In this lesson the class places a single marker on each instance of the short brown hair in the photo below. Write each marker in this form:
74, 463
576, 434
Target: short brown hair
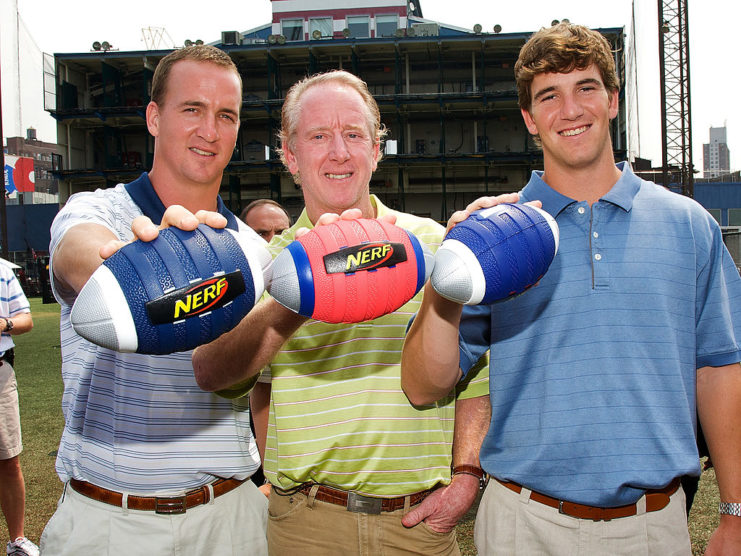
562, 49
197, 53
292, 107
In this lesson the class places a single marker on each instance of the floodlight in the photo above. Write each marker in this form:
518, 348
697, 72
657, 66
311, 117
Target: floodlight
497, 28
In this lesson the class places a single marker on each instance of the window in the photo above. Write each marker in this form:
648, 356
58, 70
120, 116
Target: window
734, 217
715, 214
293, 29
359, 26
321, 24
386, 25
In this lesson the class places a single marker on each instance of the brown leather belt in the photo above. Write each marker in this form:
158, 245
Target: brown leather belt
655, 500
355, 502
157, 504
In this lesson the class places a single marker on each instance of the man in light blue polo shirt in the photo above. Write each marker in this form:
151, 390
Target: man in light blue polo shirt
597, 372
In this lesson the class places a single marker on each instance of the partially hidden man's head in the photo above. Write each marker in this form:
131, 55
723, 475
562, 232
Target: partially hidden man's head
563, 48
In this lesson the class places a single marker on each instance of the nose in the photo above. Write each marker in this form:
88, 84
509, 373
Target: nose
208, 129
571, 107
338, 148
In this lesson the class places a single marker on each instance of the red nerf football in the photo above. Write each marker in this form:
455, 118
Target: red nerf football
350, 271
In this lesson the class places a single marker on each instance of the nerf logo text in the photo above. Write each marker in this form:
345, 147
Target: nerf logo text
197, 298
366, 256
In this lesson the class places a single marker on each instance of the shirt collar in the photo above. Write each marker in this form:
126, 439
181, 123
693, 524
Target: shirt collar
143, 194
304, 222
621, 194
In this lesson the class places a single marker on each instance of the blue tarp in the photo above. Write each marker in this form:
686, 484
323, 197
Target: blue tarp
28, 226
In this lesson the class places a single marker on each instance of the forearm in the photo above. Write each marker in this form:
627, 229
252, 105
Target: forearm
250, 346
472, 418
430, 364
260, 405
718, 403
77, 255
22, 323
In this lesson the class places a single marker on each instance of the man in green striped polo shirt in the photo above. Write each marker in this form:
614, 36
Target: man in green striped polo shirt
355, 468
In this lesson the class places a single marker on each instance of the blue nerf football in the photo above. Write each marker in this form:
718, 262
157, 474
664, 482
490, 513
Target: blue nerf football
172, 294
494, 254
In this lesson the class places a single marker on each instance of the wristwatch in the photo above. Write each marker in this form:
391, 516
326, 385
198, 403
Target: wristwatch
472, 470
8, 325
730, 508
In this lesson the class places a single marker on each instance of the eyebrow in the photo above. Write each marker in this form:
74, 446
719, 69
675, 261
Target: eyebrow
199, 104
588, 80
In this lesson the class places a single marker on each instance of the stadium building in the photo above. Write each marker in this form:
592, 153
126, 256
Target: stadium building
447, 96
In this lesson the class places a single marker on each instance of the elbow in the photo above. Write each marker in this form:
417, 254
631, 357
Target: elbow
204, 378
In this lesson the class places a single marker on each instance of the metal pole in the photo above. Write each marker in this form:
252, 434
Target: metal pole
3, 212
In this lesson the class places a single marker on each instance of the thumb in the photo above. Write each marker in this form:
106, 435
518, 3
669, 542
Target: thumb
414, 517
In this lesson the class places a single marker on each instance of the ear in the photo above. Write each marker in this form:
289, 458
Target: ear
529, 121
376, 155
613, 108
291, 162
153, 119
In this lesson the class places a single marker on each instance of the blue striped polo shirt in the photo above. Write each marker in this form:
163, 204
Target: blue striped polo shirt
593, 371
140, 423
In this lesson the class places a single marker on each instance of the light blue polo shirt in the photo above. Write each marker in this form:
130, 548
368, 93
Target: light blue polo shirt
593, 371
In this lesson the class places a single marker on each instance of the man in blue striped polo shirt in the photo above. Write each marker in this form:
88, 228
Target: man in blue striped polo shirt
151, 463
597, 372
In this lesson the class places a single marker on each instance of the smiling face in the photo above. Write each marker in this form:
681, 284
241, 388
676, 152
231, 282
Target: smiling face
333, 150
195, 127
571, 113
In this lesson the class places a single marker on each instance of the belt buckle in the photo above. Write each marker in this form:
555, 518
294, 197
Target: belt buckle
170, 506
363, 504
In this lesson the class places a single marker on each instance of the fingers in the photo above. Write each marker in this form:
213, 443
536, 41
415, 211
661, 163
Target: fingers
211, 219
110, 248
486, 202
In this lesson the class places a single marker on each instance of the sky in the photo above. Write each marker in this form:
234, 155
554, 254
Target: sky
73, 25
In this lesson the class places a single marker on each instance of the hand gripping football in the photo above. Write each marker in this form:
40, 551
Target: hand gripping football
494, 254
350, 271
172, 294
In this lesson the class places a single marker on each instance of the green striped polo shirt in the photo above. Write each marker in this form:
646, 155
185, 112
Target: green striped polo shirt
338, 415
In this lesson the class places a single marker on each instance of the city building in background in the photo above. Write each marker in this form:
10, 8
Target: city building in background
446, 94
716, 157
44, 158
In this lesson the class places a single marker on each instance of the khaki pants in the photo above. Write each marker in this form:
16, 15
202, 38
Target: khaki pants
298, 526
509, 524
231, 525
10, 419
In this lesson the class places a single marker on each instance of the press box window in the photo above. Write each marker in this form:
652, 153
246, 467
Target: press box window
293, 29
386, 25
321, 24
359, 26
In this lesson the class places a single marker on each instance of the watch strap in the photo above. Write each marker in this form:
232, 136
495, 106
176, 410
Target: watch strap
472, 470
730, 508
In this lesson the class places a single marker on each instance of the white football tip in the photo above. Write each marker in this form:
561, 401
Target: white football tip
101, 314
457, 274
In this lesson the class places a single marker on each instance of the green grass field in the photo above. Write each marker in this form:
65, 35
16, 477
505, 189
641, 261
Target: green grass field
40, 385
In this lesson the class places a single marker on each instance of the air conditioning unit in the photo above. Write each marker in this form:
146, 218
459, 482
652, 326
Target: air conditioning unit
426, 29
231, 37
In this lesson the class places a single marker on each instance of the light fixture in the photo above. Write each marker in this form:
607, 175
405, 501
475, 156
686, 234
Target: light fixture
106, 46
497, 28
477, 28
199, 42
96, 45
188, 42
316, 34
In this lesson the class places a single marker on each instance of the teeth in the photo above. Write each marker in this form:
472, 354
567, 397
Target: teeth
338, 176
572, 132
199, 151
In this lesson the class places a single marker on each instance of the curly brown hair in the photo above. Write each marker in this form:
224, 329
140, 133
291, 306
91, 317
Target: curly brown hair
562, 49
